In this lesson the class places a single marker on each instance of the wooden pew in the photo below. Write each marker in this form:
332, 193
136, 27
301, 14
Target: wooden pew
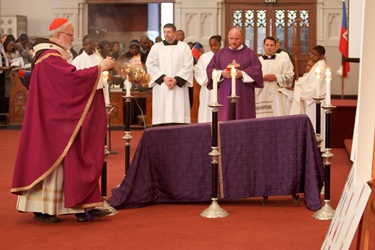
17, 100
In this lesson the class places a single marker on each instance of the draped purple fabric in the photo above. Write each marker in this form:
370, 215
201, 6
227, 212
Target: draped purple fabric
270, 156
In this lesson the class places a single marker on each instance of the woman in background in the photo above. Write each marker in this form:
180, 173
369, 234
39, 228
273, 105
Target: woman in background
204, 112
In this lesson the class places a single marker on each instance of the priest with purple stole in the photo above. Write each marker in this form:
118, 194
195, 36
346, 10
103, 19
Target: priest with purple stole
61, 149
248, 76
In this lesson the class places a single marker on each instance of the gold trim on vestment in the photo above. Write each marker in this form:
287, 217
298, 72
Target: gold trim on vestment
90, 205
46, 56
72, 138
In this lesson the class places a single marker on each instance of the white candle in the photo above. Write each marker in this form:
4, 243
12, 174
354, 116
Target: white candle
233, 73
317, 74
214, 87
328, 86
105, 88
128, 85
105, 76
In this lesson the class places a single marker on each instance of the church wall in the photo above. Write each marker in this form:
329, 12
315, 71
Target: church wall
199, 19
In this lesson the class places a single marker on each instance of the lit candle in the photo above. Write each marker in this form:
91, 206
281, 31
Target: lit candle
317, 74
328, 86
128, 85
105, 76
233, 73
214, 87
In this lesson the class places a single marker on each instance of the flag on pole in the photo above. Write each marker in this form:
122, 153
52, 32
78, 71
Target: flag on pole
196, 50
344, 45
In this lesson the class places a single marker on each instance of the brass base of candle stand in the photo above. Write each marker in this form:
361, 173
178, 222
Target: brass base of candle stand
325, 213
214, 210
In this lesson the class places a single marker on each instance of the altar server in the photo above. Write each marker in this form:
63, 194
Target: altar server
170, 64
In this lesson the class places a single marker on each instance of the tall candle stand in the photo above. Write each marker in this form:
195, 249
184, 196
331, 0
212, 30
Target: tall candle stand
106, 153
104, 171
318, 136
106, 205
127, 137
327, 212
214, 210
109, 111
233, 104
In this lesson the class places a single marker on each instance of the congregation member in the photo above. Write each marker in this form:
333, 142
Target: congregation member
200, 74
61, 149
170, 64
11, 54
306, 87
144, 42
134, 55
22, 45
104, 48
248, 75
277, 73
136, 59
115, 50
4, 67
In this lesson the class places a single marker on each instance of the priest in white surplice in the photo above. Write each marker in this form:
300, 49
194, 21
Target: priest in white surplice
170, 64
277, 72
88, 58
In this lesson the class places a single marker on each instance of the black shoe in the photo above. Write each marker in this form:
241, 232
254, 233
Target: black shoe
46, 218
93, 213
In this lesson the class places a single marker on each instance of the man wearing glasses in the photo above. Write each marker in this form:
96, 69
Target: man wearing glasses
60, 154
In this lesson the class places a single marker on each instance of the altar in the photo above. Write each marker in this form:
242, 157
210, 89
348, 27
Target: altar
259, 157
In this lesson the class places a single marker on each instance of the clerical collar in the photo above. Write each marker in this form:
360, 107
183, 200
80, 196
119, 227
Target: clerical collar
167, 43
265, 57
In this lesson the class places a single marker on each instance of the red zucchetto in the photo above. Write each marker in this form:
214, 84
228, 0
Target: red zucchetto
57, 23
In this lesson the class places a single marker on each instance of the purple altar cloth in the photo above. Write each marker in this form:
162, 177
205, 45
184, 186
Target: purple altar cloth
260, 157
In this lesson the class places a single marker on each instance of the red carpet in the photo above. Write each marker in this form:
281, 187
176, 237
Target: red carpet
279, 225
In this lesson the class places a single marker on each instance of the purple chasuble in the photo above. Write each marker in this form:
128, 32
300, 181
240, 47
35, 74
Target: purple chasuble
65, 122
249, 63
